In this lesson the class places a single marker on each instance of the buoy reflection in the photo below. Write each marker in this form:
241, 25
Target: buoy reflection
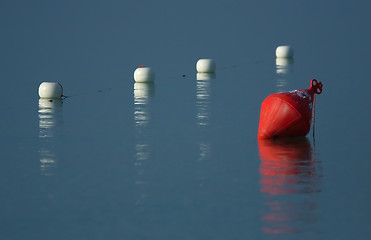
203, 98
143, 92
143, 96
290, 178
284, 67
203, 112
50, 117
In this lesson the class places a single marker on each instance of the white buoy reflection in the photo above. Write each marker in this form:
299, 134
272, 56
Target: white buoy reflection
143, 92
203, 112
50, 117
203, 97
204, 150
143, 96
284, 67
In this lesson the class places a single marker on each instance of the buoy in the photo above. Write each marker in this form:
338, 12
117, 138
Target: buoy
205, 66
50, 90
288, 114
144, 74
284, 52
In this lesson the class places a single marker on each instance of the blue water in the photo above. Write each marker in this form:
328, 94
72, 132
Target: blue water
179, 159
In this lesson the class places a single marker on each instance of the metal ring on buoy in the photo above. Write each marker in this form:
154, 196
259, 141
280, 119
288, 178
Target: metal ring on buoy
316, 87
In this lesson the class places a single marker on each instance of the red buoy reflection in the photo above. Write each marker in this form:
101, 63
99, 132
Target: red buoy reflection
289, 182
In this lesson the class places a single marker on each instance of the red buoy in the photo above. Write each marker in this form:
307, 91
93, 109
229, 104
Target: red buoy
288, 114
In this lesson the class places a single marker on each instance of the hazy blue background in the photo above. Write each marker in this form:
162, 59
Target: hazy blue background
180, 160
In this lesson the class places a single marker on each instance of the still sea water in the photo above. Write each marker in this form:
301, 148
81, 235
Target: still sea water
180, 159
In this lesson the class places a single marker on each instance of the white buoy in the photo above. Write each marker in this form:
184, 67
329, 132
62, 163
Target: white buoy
205, 66
284, 52
144, 74
50, 90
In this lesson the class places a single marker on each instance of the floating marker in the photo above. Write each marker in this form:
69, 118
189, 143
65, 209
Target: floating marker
50, 90
205, 66
144, 74
288, 114
284, 52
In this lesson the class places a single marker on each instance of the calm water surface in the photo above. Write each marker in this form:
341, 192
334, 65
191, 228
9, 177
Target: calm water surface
179, 159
